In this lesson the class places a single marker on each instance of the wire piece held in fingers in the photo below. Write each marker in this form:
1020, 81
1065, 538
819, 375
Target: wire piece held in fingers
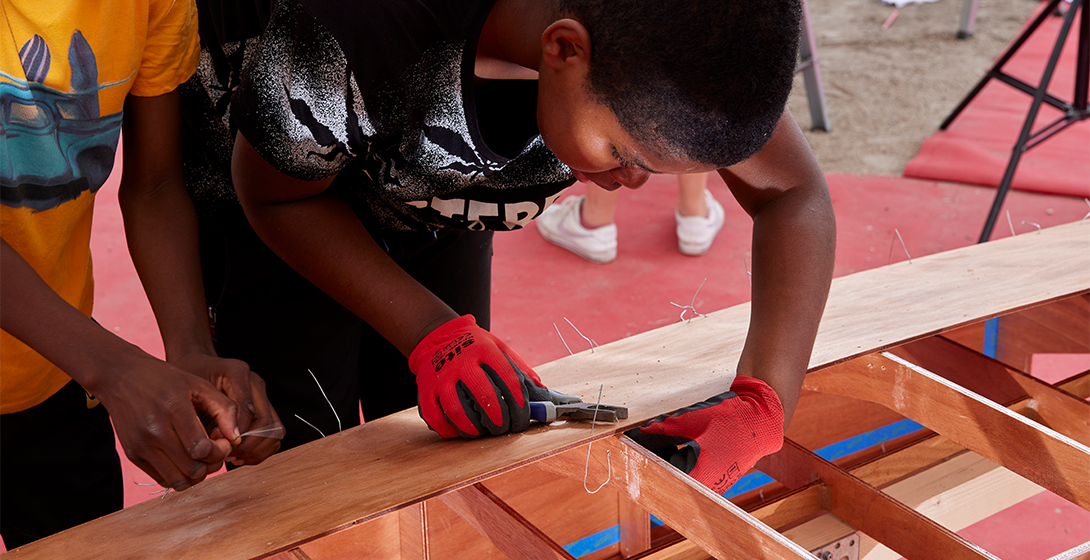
274, 431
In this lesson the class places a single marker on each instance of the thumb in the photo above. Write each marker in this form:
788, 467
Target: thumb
222, 409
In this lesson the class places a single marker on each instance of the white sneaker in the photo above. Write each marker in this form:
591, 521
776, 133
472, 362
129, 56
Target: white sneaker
561, 225
695, 234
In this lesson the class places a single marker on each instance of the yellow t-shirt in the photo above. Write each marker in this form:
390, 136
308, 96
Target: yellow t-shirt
66, 67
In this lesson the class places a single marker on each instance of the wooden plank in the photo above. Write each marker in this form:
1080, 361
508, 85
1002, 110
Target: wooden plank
814, 427
537, 495
293, 554
875, 513
1057, 328
375, 469
1034, 451
948, 290
958, 493
953, 494
1002, 384
1079, 385
819, 532
502, 525
377, 539
634, 527
720, 528
413, 532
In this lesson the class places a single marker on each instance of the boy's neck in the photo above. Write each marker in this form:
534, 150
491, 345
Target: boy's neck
510, 43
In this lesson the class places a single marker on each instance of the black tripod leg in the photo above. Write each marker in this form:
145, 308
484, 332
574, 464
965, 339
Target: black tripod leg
1027, 128
998, 66
1082, 65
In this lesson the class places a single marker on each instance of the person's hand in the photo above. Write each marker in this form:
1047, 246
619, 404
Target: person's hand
473, 384
255, 413
154, 407
716, 441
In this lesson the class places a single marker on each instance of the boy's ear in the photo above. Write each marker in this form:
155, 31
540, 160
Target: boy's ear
565, 42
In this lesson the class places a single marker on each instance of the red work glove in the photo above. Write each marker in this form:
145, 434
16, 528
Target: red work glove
471, 383
716, 441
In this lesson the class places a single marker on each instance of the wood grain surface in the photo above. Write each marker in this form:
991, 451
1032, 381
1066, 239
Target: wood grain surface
383, 466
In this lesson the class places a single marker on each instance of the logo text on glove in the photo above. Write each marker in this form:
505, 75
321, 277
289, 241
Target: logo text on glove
727, 480
450, 351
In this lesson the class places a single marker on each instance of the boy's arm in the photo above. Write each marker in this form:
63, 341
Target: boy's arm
794, 244
794, 241
152, 404
317, 234
161, 227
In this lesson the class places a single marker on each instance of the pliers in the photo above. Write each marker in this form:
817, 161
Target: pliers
545, 411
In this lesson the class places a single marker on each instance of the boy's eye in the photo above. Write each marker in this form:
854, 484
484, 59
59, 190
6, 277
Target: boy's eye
618, 157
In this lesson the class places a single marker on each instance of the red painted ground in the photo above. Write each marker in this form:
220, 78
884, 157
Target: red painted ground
976, 147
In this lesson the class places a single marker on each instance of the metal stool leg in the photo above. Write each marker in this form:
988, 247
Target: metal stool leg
811, 74
968, 19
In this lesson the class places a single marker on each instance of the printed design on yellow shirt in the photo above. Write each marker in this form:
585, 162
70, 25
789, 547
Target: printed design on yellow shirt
56, 144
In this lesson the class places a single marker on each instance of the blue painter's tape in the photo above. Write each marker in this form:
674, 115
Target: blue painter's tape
991, 337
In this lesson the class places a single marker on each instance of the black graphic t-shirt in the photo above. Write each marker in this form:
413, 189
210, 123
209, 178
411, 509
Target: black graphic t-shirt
382, 94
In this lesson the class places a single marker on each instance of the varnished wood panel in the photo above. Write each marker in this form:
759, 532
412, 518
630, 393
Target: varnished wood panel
1001, 384
361, 474
502, 525
1042, 455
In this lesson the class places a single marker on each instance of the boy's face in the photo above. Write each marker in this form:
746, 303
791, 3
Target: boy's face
586, 136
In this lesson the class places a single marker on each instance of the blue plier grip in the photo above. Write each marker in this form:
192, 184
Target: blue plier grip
542, 411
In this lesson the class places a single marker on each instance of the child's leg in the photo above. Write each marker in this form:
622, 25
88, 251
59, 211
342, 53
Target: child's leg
583, 224
699, 216
599, 207
690, 195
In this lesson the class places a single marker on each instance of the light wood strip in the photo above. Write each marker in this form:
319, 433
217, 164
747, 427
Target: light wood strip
413, 532
504, 527
873, 512
1034, 451
1001, 384
958, 493
635, 527
714, 524
348, 478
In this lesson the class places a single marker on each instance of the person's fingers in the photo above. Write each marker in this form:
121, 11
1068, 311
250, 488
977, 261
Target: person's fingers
516, 418
169, 468
236, 383
454, 412
222, 409
256, 448
432, 413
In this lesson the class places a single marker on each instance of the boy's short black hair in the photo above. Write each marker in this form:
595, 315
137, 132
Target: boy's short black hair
706, 80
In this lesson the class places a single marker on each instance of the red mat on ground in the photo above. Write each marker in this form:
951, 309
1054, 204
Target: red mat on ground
976, 147
536, 284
